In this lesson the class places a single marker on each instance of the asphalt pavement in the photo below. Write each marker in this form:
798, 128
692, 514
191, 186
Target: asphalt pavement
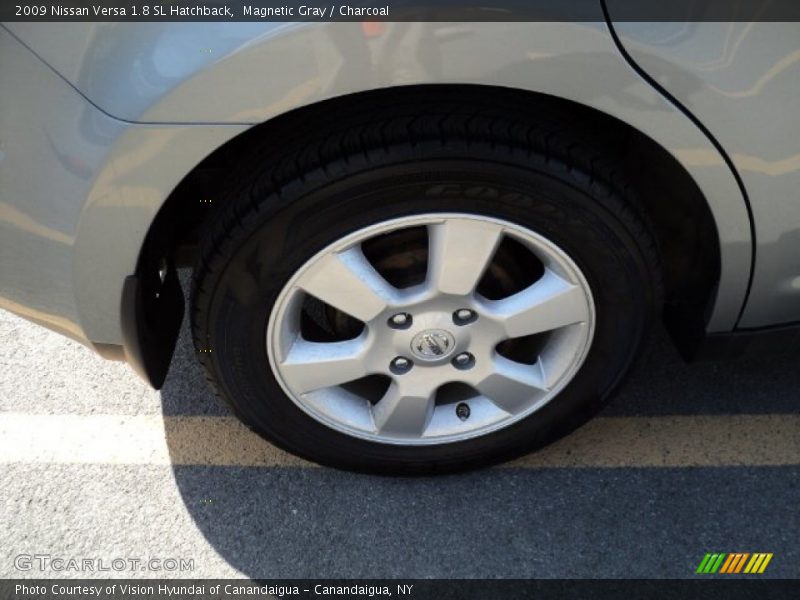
94, 465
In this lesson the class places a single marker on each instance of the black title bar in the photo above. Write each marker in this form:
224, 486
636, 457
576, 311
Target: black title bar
733, 588
401, 10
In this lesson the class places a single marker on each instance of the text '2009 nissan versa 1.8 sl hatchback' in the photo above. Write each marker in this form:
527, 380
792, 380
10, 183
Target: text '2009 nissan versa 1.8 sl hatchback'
416, 247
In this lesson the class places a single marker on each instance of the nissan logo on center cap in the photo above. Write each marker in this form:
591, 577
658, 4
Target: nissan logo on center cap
432, 344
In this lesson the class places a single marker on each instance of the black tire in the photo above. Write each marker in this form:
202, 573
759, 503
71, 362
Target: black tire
283, 206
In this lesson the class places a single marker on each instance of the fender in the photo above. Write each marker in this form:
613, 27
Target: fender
735, 78
174, 92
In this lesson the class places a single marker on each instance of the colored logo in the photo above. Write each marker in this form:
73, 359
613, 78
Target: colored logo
734, 562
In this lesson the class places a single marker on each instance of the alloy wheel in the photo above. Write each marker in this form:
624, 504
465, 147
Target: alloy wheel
427, 361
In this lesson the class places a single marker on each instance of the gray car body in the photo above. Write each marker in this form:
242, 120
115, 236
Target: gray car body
100, 122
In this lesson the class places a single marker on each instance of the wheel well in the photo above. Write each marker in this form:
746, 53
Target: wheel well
680, 216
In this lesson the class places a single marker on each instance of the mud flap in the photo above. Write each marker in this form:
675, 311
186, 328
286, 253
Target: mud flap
151, 321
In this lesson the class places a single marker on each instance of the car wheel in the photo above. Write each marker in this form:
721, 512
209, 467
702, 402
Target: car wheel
423, 299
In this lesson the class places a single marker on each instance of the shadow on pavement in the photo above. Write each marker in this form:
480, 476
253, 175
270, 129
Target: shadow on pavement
290, 521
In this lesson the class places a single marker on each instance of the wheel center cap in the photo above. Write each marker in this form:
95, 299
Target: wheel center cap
432, 344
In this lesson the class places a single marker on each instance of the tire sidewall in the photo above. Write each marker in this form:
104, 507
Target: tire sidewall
543, 196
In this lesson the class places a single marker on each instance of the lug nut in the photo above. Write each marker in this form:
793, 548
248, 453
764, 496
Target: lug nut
400, 365
463, 316
400, 321
465, 360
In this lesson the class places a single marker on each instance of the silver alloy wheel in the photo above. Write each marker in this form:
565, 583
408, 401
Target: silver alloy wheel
436, 349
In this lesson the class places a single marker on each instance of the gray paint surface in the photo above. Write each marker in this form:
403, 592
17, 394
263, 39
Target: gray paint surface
136, 106
78, 192
742, 81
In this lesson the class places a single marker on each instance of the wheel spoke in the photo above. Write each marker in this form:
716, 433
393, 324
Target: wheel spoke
314, 365
512, 386
550, 303
459, 252
347, 281
403, 412
462, 248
